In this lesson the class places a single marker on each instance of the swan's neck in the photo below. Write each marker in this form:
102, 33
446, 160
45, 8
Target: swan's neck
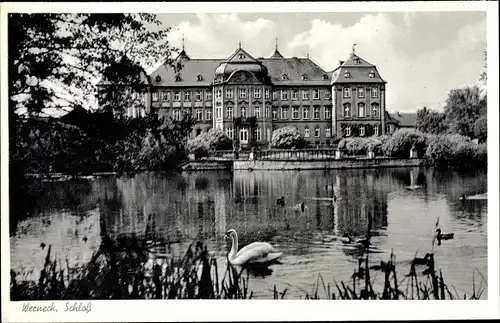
234, 248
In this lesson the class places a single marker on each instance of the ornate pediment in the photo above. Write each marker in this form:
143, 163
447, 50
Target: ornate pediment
243, 77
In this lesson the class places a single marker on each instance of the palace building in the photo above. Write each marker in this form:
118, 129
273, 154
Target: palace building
278, 91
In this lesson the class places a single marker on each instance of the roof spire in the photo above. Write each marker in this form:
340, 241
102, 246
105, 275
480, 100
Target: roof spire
182, 42
276, 43
354, 48
239, 44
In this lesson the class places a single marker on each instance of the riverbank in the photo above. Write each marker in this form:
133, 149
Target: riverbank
351, 163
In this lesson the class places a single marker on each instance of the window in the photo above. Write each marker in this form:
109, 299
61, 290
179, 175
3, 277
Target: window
241, 56
258, 134
177, 96
316, 94
198, 131
229, 112
361, 110
306, 132
208, 96
155, 96
347, 92
327, 94
316, 113
268, 135
347, 75
284, 113
218, 94
348, 131
267, 94
304, 76
374, 92
375, 130
199, 114
197, 96
243, 93
284, 77
244, 135
229, 132
256, 111
305, 94
243, 112
295, 95
387, 129
305, 113
374, 109
158, 78
317, 132
356, 61
347, 110
208, 115
372, 74
328, 132
275, 114
218, 111
275, 95
327, 113
177, 114
165, 96
325, 77
229, 93
178, 78
295, 113
284, 95
200, 78
267, 112
362, 131
361, 92
256, 93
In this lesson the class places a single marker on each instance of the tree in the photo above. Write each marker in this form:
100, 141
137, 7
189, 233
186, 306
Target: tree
430, 121
287, 137
463, 108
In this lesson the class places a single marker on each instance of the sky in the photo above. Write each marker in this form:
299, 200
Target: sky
422, 55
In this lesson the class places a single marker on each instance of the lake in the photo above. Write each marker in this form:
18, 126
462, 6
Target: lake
404, 204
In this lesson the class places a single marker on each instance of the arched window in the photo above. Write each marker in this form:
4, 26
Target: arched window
348, 131
200, 78
362, 131
158, 78
347, 110
284, 77
306, 133
375, 110
325, 77
361, 110
304, 76
243, 112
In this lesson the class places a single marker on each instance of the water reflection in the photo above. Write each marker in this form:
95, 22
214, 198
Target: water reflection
402, 205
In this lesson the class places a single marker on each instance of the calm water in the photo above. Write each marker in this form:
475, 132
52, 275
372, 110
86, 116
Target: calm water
206, 204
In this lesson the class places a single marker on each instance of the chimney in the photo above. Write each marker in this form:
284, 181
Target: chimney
341, 62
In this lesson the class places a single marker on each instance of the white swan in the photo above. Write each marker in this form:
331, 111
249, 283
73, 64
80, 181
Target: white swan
256, 253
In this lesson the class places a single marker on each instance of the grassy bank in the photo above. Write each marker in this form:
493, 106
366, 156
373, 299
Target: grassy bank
121, 270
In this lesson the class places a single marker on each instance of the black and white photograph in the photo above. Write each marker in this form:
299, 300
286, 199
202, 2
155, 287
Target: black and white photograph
198, 152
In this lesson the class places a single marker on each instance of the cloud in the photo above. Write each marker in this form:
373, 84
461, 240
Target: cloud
215, 36
415, 78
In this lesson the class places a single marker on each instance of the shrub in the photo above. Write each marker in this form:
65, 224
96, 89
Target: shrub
287, 137
214, 139
401, 142
439, 150
456, 150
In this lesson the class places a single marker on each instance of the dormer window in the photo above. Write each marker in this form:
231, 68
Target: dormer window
178, 78
241, 56
200, 78
372, 74
158, 78
284, 77
325, 77
357, 61
347, 75
304, 76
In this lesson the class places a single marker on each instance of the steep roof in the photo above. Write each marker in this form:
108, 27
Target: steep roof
276, 54
295, 68
404, 119
358, 71
188, 74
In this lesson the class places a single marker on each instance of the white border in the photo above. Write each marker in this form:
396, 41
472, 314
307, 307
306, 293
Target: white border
152, 310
